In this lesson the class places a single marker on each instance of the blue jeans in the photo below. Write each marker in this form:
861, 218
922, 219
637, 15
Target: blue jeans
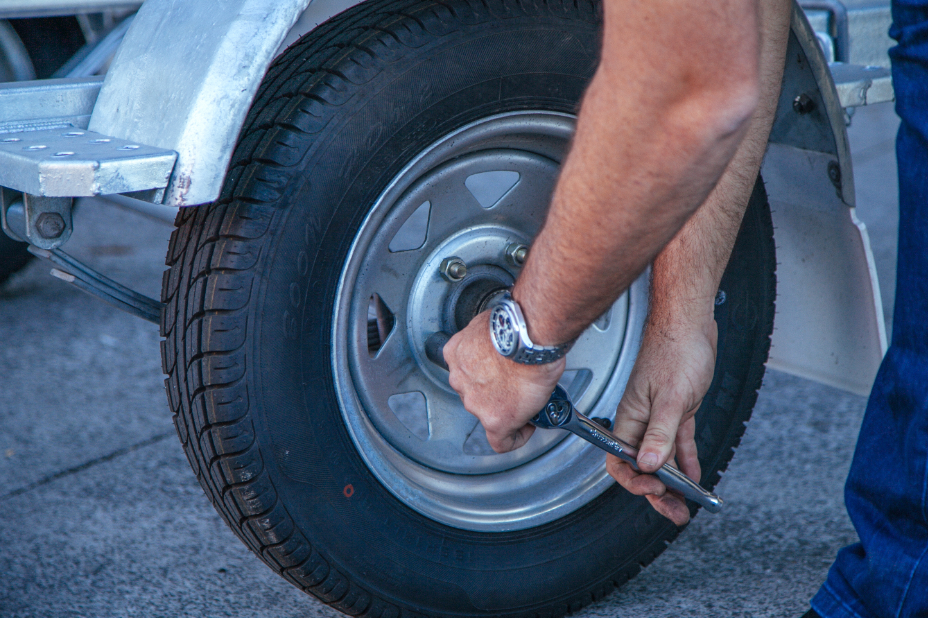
886, 573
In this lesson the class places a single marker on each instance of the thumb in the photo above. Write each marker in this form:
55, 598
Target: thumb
660, 437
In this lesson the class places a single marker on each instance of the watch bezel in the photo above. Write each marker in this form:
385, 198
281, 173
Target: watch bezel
515, 324
522, 349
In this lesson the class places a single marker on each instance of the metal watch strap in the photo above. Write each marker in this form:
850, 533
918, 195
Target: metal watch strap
541, 355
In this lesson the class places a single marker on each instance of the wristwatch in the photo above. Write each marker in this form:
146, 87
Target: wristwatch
510, 336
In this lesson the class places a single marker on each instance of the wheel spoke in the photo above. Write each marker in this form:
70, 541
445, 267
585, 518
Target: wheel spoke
393, 370
453, 207
588, 349
575, 382
389, 276
449, 422
530, 197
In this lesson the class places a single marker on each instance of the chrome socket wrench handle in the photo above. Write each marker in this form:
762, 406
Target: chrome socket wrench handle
560, 413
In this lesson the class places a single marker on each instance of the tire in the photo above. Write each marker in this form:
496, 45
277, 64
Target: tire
270, 323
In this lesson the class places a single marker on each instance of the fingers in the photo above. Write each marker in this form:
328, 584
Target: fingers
510, 441
629, 425
658, 442
670, 504
502, 394
686, 455
671, 375
635, 482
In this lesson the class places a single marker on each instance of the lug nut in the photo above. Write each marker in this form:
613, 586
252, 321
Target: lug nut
453, 269
516, 253
50, 225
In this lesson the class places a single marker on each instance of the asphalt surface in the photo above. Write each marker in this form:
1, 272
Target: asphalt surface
100, 515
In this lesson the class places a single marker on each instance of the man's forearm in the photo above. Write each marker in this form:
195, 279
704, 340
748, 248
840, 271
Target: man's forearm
676, 361
664, 114
686, 274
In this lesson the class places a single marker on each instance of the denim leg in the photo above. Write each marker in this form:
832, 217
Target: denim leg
886, 573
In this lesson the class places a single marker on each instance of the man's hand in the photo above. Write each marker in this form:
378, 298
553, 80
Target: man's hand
672, 373
503, 394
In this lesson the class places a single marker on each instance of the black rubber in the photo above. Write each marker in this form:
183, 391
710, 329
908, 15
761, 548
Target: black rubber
251, 286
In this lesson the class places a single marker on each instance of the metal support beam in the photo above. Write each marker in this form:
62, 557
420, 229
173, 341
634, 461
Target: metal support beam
47, 104
10, 9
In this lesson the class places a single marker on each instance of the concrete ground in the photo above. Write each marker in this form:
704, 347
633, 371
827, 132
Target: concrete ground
100, 515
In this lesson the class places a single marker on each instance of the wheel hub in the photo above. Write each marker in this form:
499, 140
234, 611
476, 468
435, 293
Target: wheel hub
482, 285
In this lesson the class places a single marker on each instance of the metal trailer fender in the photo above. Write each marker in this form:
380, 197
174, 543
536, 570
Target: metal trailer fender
829, 323
191, 96
183, 80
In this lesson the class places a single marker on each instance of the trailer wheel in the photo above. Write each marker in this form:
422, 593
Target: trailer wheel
297, 305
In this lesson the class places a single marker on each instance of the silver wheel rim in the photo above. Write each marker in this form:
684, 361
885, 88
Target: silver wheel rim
472, 194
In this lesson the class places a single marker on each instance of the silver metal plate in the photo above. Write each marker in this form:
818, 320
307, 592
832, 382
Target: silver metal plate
829, 322
80, 163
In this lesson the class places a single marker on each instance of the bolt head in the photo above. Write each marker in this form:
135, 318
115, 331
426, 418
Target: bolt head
516, 253
803, 104
453, 269
50, 225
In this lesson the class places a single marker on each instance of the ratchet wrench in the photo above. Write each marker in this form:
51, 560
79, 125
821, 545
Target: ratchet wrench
560, 413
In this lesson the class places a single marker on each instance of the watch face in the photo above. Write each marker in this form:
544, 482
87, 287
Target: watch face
503, 331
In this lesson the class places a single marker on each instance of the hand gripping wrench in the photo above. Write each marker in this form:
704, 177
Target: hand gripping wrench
559, 413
